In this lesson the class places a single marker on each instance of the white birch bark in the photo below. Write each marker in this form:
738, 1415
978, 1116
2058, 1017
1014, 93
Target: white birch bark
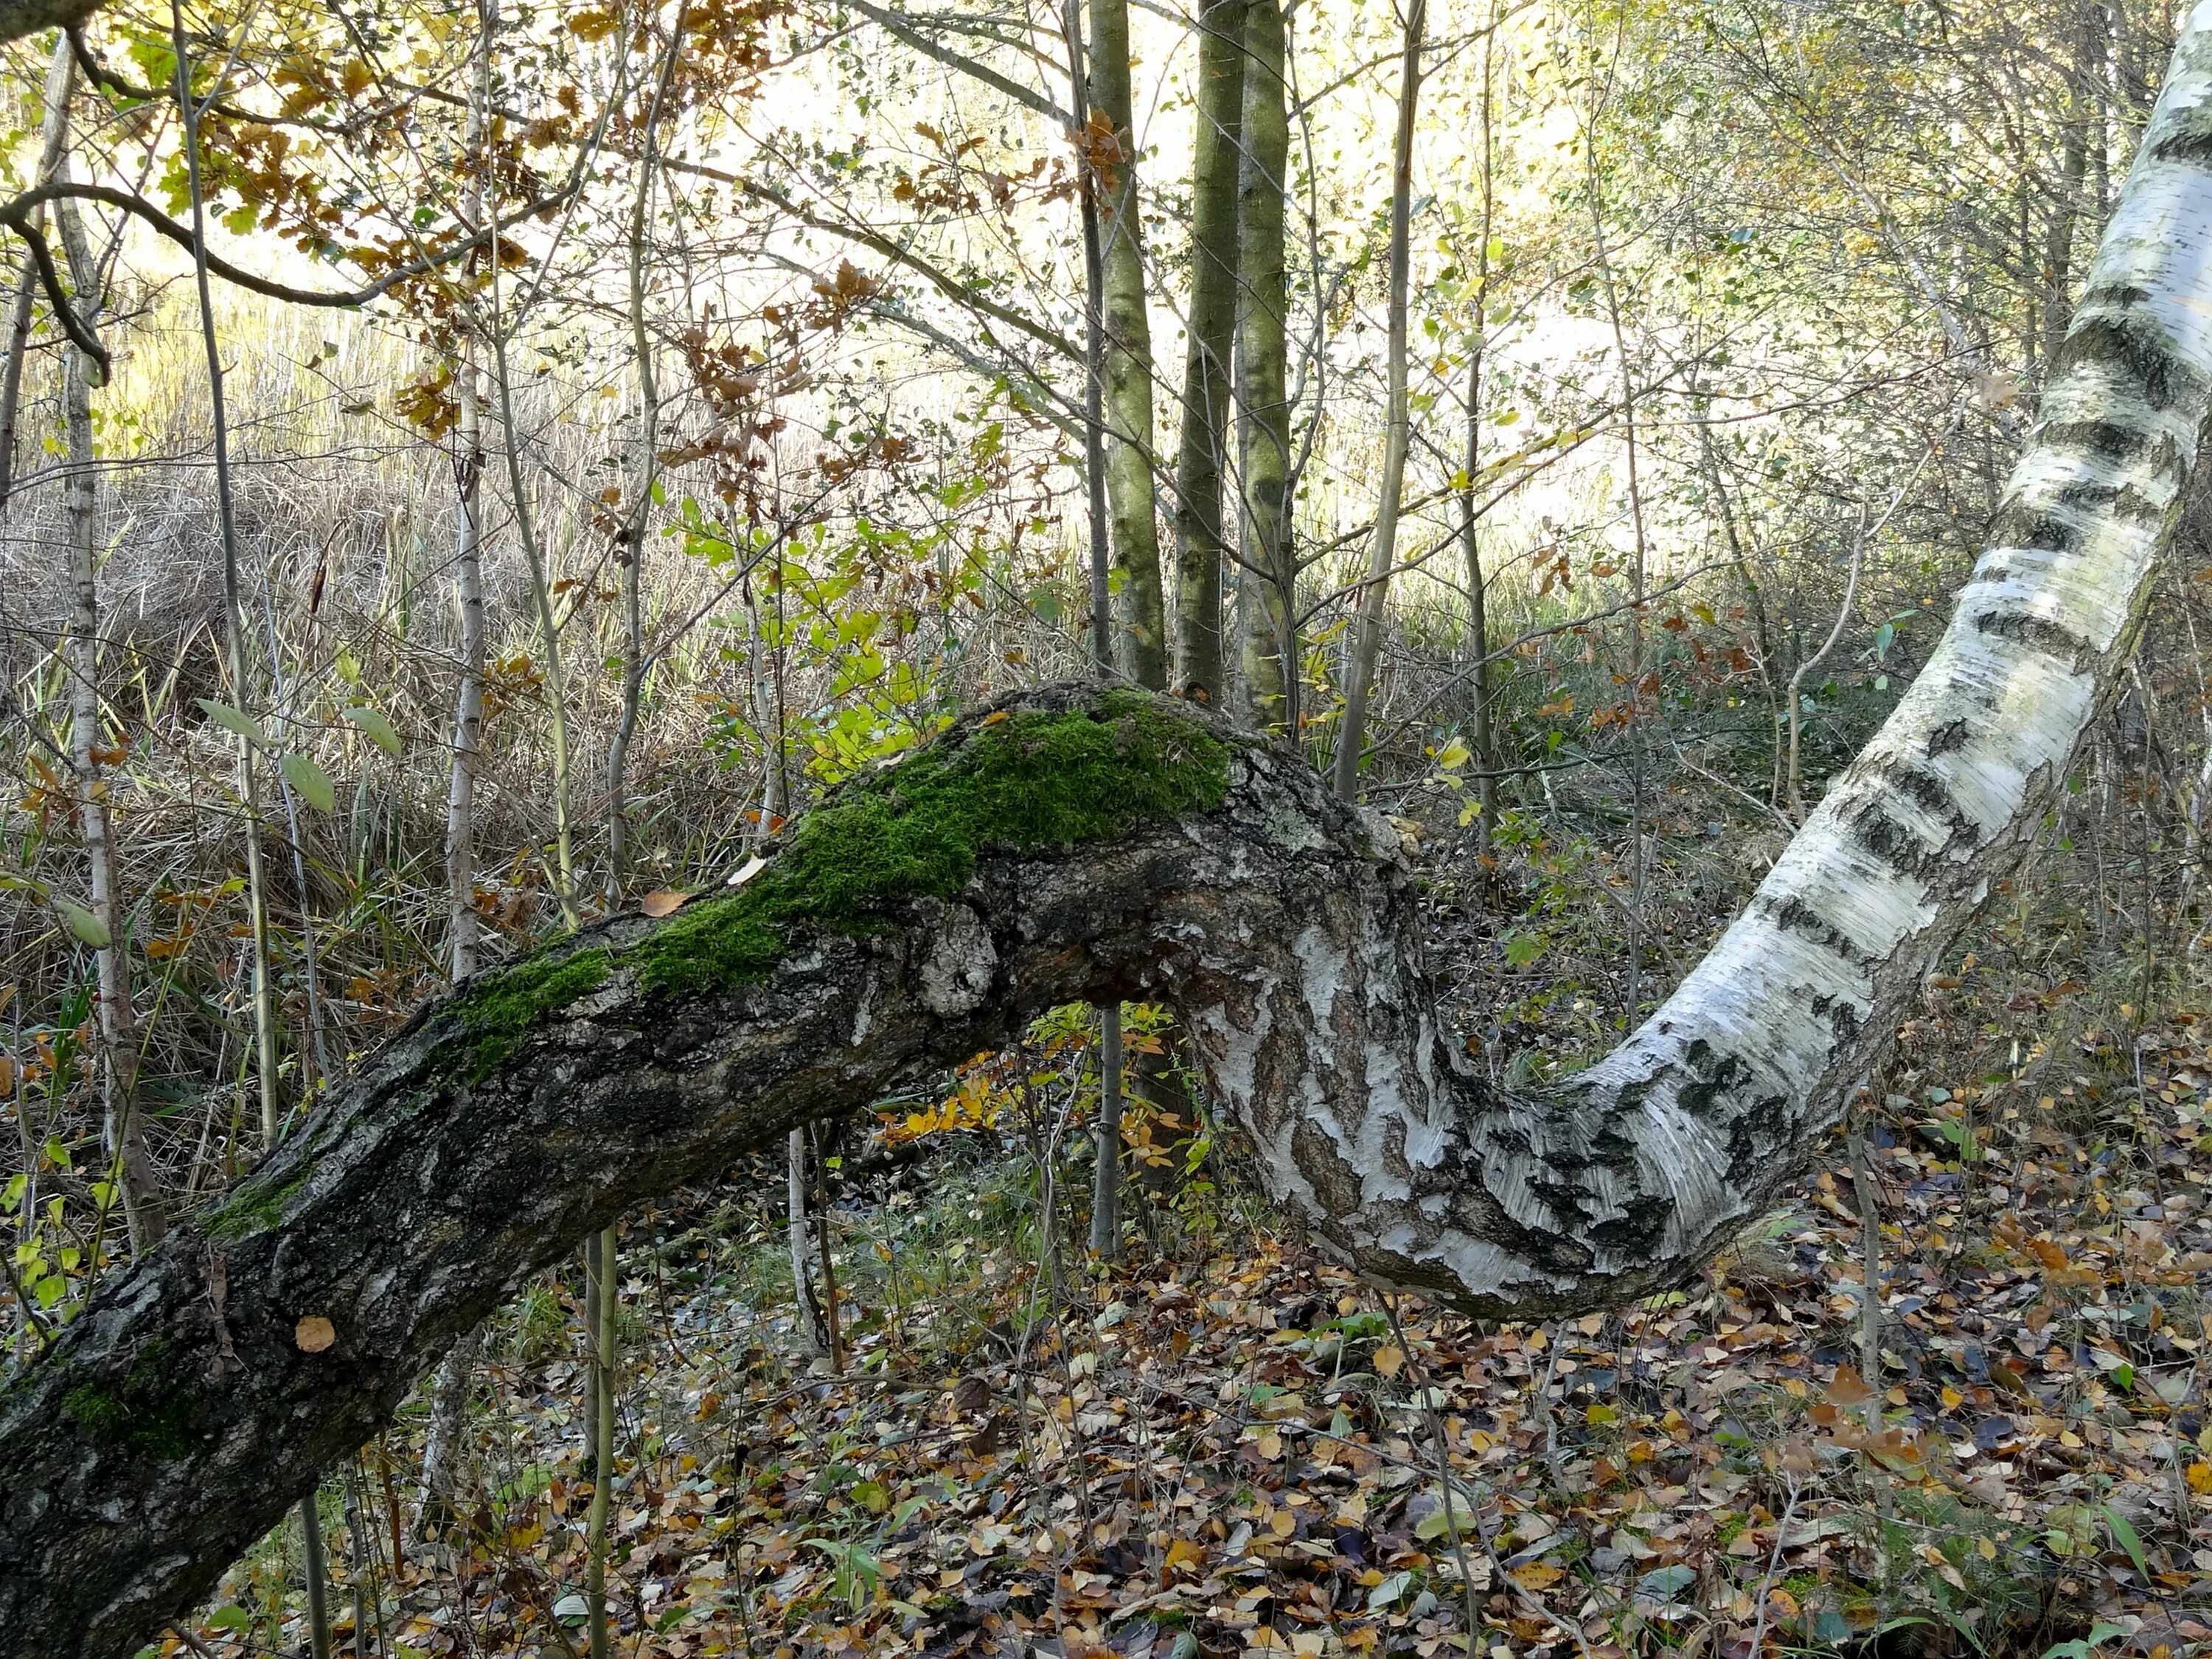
1624, 1177
81, 652
461, 921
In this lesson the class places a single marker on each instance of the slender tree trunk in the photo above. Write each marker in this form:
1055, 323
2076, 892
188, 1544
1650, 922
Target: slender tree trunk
1484, 745
602, 1451
437, 1501
461, 920
541, 586
317, 1567
1106, 1186
257, 886
648, 473
11, 372
797, 1245
1140, 644
1267, 574
1211, 327
1367, 629
1106, 1178
144, 1212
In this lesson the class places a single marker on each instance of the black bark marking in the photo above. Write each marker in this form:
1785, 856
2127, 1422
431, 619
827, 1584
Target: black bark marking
1716, 1077
1928, 790
1889, 842
1793, 916
2192, 149
2115, 441
1756, 1136
1951, 735
1639, 1230
2131, 344
2024, 524
2038, 633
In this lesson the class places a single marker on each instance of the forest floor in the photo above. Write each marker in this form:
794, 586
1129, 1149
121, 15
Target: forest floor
1233, 1448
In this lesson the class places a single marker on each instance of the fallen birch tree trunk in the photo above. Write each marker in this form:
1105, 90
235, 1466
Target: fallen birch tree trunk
1081, 845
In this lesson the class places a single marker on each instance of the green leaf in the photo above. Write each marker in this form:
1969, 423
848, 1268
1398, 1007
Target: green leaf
1450, 1508
1387, 1592
373, 727
87, 927
1524, 948
313, 784
233, 1617
231, 720
2124, 1534
2100, 1633
1665, 1583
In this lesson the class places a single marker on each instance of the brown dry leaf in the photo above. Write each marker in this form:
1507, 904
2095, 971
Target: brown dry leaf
314, 1334
663, 902
1390, 1359
1849, 1387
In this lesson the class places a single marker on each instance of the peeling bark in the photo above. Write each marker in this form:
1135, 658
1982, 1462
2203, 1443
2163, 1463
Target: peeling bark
167, 1428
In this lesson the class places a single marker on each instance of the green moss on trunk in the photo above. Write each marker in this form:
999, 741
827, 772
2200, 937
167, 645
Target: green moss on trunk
152, 1410
1028, 780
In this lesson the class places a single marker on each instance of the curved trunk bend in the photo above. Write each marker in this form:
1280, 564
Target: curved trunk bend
1079, 845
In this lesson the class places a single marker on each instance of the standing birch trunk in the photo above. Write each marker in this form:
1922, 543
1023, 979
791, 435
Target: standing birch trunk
1367, 630
1211, 327
461, 920
143, 1209
1268, 571
1141, 619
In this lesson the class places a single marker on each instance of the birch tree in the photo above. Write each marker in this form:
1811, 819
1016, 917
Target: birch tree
1080, 844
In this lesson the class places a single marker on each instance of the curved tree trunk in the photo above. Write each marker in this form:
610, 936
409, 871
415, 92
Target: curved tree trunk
1081, 845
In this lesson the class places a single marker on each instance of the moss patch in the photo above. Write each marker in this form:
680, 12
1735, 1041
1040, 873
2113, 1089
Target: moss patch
1032, 780
516, 997
1028, 780
254, 1208
152, 1412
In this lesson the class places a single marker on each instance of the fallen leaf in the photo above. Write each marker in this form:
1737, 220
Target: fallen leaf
1849, 1387
663, 902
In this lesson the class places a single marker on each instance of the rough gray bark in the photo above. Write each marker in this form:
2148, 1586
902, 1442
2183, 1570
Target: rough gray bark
1365, 644
1268, 575
20, 17
1211, 328
1140, 617
168, 1426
